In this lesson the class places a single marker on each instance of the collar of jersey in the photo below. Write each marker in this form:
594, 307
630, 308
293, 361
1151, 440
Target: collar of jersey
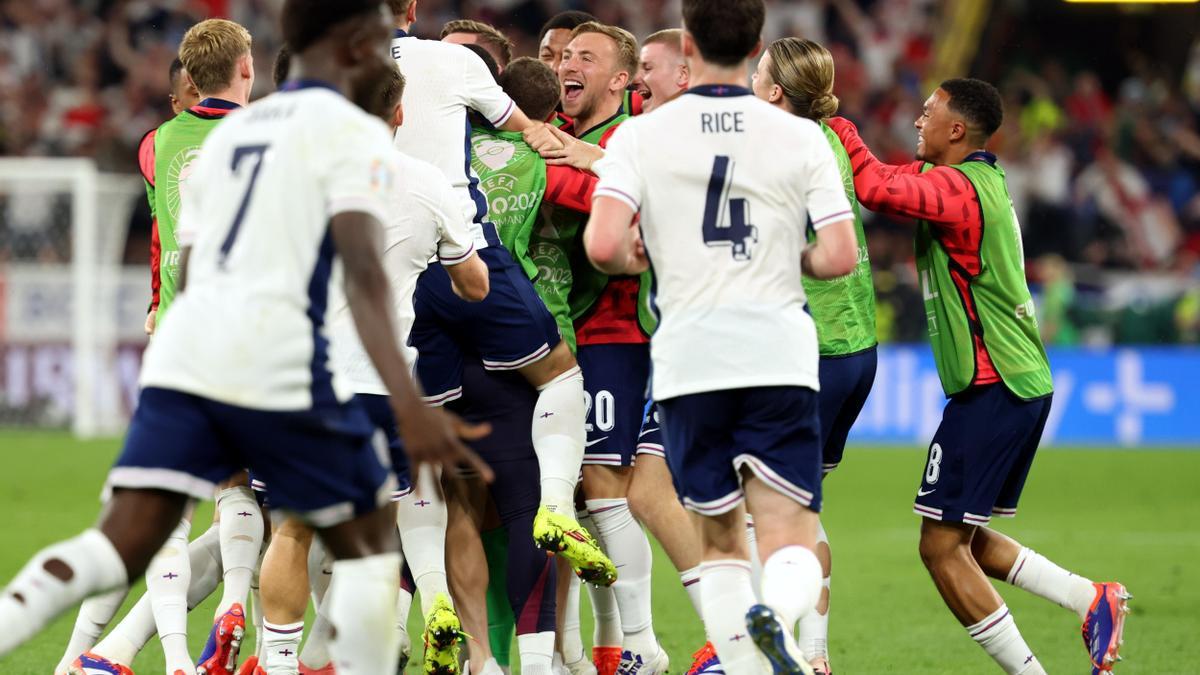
720, 90
305, 83
981, 156
400, 33
620, 111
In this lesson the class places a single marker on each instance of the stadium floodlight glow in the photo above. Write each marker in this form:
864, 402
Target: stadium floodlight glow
1133, 2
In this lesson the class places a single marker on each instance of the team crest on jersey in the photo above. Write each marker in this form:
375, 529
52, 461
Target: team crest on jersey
177, 174
553, 266
502, 182
495, 153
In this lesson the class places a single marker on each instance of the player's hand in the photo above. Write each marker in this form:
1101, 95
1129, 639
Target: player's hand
541, 137
638, 260
435, 436
574, 152
151, 318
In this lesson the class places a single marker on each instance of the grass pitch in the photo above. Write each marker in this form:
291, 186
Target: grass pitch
1129, 515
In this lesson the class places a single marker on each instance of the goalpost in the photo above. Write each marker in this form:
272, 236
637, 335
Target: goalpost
65, 298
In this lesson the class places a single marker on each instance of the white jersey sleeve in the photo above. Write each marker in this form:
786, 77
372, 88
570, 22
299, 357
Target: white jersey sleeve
358, 172
620, 170
455, 241
825, 194
484, 94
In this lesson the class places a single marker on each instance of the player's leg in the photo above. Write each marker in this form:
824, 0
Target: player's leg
284, 589
607, 635
167, 580
698, 431
979, 444
130, 635
241, 527
94, 616
469, 573
501, 622
151, 486
781, 477
347, 502
846, 382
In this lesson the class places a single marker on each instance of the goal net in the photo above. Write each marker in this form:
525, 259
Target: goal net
71, 310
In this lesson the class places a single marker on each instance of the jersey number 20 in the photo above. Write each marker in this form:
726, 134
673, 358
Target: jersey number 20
736, 233
240, 153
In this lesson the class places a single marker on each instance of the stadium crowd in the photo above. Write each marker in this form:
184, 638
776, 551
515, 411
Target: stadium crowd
1105, 179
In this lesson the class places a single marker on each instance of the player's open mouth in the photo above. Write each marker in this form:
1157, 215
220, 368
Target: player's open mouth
572, 89
644, 92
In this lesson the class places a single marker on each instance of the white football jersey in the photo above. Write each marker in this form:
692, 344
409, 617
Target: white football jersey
725, 185
250, 327
424, 221
443, 82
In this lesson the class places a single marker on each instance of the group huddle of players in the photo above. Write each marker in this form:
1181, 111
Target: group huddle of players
510, 307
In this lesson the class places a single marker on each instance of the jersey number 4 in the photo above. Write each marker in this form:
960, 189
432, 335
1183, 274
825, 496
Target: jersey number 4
735, 232
240, 153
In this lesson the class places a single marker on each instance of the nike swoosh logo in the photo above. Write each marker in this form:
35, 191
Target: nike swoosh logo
922, 493
598, 440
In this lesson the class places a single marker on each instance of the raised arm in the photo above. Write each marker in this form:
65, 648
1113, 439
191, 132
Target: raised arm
940, 195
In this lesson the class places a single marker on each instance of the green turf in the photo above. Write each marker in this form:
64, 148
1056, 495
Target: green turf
1130, 515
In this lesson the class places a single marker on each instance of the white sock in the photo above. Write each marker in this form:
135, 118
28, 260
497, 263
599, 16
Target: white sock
167, 581
537, 652
281, 647
241, 541
36, 596
490, 667
362, 601
606, 627
94, 616
558, 437
791, 583
130, 636
625, 543
999, 637
421, 518
814, 626
690, 579
404, 601
726, 596
320, 572
257, 615
756, 568
1034, 573
572, 637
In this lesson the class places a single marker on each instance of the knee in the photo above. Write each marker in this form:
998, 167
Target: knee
936, 551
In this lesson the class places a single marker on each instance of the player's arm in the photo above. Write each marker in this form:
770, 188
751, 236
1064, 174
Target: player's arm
835, 251
456, 245
469, 278
431, 435
940, 195
611, 238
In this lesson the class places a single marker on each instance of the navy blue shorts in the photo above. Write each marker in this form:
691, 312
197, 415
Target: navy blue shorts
615, 377
511, 328
980, 456
772, 431
845, 383
320, 463
650, 438
379, 411
504, 400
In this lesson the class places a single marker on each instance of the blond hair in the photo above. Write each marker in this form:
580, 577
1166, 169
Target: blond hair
671, 37
627, 46
803, 69
487, 33
210, 52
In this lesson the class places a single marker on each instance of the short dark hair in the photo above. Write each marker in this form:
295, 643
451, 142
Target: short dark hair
567, 20
532, 86
488, 59
176, 69
977, 101
307, 21
725, 31
387, 94
283, 64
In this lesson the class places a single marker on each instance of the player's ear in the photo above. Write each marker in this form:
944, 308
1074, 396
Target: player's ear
411, 15
757, 49
398, 116
958, 130
687, 45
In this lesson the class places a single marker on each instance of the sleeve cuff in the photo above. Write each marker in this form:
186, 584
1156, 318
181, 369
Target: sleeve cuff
620, 195
505, 115
834, 217
456, 259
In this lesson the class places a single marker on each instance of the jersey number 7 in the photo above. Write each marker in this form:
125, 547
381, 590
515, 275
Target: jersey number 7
240, 153
737, 233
